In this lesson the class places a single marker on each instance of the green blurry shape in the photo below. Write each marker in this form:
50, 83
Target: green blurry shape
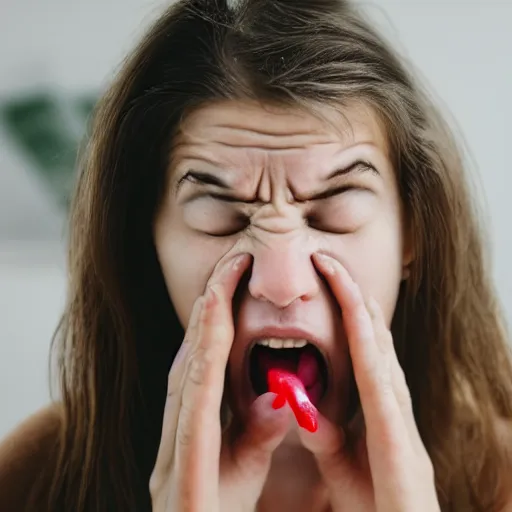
44, 130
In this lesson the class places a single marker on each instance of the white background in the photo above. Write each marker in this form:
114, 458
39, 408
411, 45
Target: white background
463, 48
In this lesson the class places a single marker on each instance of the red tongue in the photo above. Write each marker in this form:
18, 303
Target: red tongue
306, 370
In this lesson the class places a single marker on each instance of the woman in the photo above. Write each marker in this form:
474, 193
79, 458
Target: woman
269, 176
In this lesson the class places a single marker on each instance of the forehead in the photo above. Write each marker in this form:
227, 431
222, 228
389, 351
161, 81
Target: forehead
251, 124
241, 139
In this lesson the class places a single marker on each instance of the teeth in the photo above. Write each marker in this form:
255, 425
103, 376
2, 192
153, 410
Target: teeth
282, 343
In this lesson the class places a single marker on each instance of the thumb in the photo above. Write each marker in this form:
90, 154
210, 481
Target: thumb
328, 446
264, 430
348, 488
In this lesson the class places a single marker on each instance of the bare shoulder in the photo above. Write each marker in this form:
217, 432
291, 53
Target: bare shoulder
24, 455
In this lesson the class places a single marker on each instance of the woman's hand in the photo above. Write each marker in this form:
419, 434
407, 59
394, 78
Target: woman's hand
389, 469
198, 468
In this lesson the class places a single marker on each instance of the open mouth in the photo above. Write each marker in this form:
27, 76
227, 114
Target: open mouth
296, 356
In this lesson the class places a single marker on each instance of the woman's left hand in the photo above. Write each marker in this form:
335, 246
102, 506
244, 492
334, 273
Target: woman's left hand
390, 469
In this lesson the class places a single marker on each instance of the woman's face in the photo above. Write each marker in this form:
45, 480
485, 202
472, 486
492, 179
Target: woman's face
281, 185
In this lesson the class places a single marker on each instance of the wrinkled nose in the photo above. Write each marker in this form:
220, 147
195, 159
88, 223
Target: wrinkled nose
282, 271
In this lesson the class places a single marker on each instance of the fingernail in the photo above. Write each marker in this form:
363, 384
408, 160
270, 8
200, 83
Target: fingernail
237, 261
231, 265
326, 261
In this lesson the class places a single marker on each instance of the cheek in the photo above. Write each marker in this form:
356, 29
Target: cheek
374, 259
187, 263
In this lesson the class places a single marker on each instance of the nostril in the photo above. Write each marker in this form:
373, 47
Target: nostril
283, 274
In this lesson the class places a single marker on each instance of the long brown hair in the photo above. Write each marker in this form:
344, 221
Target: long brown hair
119, 333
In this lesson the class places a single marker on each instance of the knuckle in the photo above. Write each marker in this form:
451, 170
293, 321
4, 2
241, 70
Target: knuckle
199, 382
224, 331
377, 382
219, 326
184, 436
383, 378
384, 387
362, 320
378, 389
200, 364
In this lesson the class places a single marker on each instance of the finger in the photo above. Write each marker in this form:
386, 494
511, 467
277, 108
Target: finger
208, 360
174, 390
399, 383
326, 443
386, 429
197, 449
335, 464
195, 335
247, 452
345, 471
251, 451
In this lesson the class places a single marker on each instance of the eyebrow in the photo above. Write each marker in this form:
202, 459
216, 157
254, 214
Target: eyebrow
206, 178
357, 166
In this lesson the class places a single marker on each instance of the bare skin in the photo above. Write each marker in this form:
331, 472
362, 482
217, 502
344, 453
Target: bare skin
327, 269
251, 180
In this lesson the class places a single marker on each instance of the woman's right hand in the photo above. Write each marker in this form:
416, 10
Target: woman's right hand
198, 468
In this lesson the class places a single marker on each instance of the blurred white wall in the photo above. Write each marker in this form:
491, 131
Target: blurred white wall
32, 288
462, 47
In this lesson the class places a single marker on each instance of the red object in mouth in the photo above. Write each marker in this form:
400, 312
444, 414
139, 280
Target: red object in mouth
289, 387
304, 363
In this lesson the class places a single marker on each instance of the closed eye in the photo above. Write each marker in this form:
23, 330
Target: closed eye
340, 213
358, 167
241, 223
231, 199
333, 192
205, 179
